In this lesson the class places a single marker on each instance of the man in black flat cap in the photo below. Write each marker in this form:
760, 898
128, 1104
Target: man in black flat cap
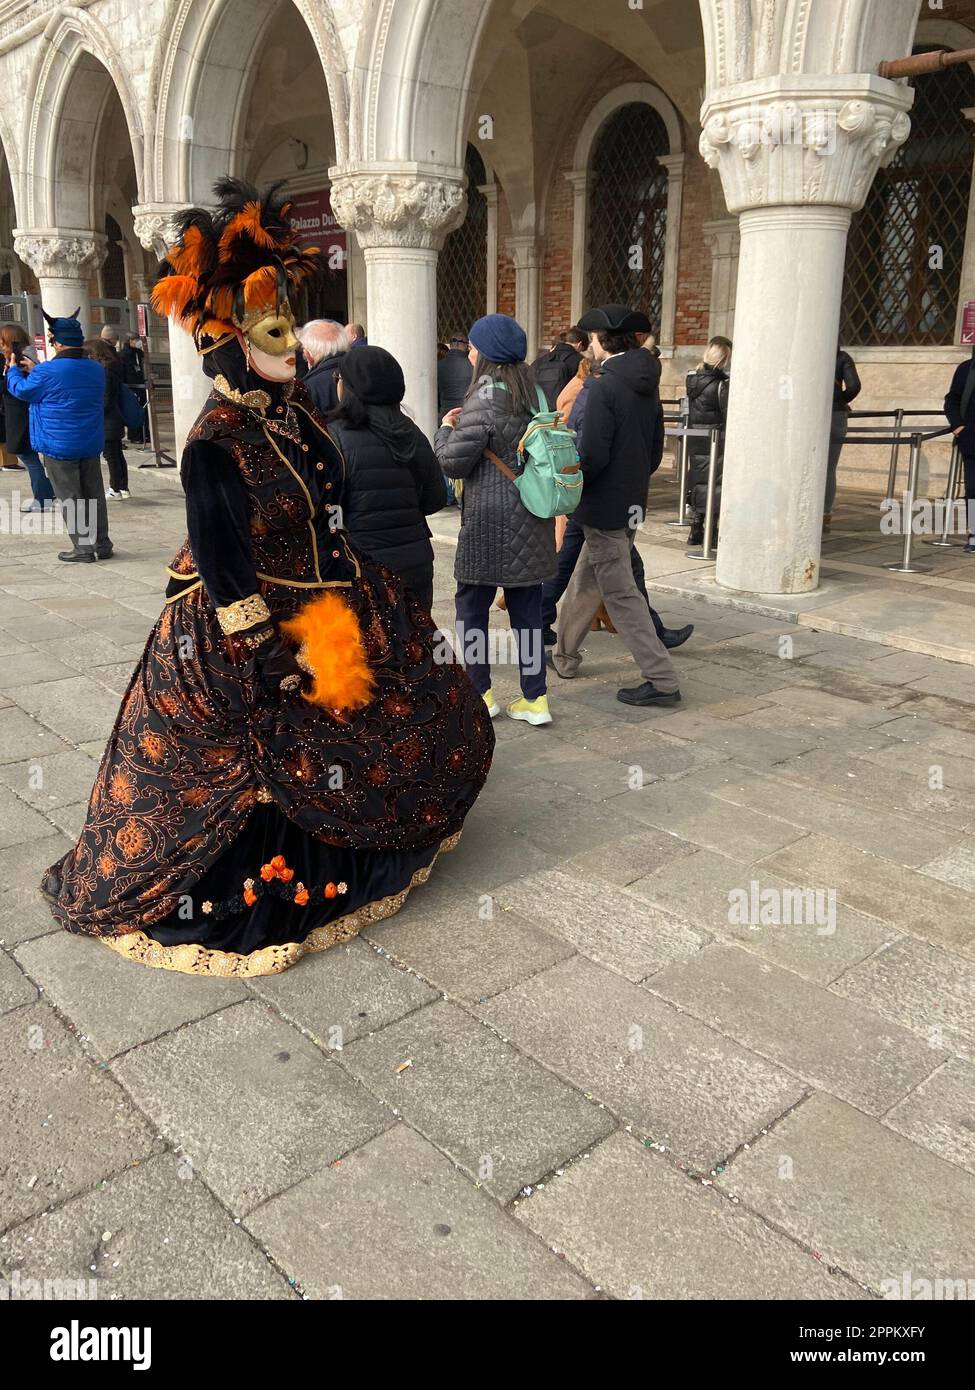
619, 448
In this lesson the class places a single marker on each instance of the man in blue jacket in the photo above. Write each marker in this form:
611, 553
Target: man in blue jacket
67, 426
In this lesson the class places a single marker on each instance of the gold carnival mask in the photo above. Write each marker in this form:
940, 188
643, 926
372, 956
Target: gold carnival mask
271, 345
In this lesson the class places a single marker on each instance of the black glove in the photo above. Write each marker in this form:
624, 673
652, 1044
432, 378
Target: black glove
276, 665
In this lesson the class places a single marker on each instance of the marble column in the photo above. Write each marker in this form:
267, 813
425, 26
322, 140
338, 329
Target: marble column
63, 260
490, 192
675, 165
401, 214
724, 239
579, 179
189, 384
526, 253
796, 154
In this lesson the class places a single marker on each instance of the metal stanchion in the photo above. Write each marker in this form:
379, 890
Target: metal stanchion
895, 452
904, 565
682, 454
709, 507
951, 494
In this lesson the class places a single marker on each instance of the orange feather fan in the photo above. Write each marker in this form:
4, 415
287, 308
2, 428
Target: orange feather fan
329, 641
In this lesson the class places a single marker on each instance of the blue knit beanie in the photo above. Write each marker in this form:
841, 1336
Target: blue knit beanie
67, 331
499, 338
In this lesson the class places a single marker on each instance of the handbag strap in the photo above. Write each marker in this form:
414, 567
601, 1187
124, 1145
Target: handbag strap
500, 466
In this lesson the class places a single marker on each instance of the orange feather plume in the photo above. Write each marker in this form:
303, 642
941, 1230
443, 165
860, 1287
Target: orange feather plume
175, 296
261, 288
327, 634
248, 223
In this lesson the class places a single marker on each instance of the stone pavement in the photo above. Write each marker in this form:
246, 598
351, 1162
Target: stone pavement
589, 1059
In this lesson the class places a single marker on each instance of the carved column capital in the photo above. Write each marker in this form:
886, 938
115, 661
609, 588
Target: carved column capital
791, 140
399, 205
154, 225
57, 253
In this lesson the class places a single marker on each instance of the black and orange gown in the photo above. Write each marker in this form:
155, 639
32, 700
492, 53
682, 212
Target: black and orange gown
231, 829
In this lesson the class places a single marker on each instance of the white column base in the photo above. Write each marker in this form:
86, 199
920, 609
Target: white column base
787, 323
190, 386
402, 294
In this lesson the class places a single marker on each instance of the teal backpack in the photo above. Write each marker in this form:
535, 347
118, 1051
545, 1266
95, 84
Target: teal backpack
550, 482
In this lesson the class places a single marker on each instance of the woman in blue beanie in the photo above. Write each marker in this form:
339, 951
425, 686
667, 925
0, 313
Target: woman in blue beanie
501, 544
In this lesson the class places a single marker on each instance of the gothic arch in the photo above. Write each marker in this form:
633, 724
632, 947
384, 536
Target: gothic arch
67, 84
197, 117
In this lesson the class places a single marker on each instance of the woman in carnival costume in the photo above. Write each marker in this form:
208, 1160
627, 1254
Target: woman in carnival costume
292, 752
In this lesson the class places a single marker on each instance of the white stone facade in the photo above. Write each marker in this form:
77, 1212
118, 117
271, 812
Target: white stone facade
129, 109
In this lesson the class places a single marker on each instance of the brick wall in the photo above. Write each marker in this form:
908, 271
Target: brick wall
694, 262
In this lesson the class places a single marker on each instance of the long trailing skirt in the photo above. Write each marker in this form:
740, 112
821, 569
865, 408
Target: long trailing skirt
229, 833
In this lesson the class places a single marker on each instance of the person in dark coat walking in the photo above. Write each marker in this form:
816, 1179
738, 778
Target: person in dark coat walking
707, 408
118, 470
846, 388
619, 446
323, 345
17, 346
574, 539
553, 370
960, 414
501, 544
392, 478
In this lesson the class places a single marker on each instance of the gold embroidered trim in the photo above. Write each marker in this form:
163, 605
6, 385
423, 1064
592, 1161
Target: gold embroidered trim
253, 400
183, 592
245, 613
191, 959
265, 579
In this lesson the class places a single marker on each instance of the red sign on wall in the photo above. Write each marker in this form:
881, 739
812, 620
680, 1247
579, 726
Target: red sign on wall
968, 324
312, 216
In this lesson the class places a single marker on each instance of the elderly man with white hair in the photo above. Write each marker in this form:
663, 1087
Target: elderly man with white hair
324, 343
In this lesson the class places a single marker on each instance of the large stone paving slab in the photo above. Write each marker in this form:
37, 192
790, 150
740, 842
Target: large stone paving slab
396, 1221
114, 1002
151, 1232
499, 1114
639, 1229
19, 822
705, 888
623, 861
255, 1106
940, 1114
605, 923
66, 1123
687, 811
861, 782
676, 1079
79, 708
916, 905
23, 912
343, 994
831, 1043
23, 737
930, 991
866, 1199
58, 779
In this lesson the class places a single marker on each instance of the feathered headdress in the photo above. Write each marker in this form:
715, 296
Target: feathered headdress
233, 265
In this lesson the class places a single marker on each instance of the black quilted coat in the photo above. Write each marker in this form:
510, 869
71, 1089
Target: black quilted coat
500, 541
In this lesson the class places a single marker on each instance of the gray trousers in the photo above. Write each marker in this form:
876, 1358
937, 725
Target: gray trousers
604, 574
837, 438
80, 490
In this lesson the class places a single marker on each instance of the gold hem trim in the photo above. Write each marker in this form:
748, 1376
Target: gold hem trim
191, 959
183, 592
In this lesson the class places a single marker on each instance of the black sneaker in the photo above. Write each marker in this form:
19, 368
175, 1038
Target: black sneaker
648, 694
77, 557
549, 636
676, 636
969, 549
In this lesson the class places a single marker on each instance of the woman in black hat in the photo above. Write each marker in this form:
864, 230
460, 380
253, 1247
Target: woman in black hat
392, 479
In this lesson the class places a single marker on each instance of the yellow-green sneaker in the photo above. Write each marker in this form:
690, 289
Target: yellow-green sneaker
493, 708
531, 711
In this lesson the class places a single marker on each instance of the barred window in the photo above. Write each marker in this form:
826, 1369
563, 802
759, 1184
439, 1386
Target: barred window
462, 267
904, 261
627, 233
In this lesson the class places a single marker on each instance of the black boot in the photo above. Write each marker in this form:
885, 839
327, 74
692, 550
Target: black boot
77, 557
696, 534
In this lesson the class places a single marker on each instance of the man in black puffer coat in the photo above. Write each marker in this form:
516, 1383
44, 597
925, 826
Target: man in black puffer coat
392, 480
554, 370
619, 447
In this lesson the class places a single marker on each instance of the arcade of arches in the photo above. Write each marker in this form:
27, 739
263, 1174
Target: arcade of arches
534, 157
